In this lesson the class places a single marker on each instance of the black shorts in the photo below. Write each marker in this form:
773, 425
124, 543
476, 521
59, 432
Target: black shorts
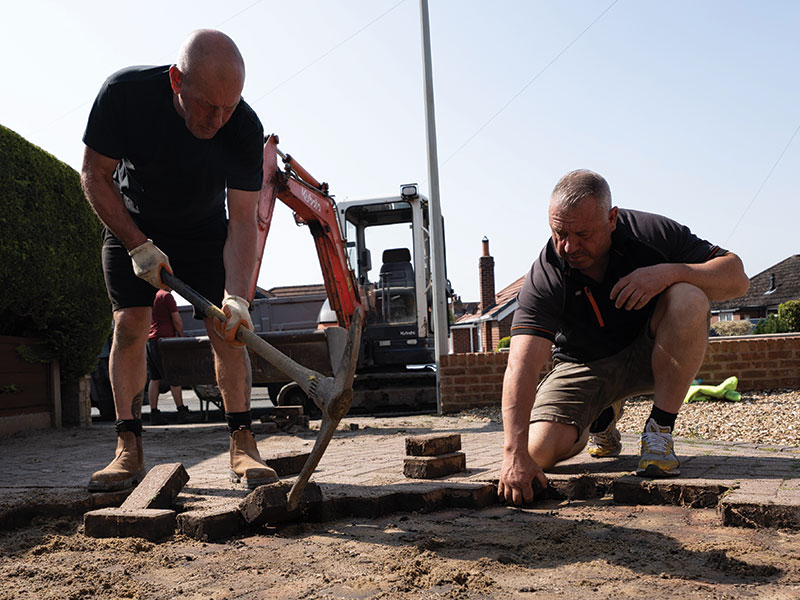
197, 261
154, 368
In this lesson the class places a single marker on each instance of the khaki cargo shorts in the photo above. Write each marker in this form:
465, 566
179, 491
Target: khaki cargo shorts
576, 393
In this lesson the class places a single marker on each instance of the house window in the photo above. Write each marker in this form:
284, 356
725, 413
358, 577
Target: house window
726, 315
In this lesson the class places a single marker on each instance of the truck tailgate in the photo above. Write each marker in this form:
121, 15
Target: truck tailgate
189, 360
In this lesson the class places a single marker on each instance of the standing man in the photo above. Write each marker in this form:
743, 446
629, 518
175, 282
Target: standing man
167, 150
622, 299
165, 323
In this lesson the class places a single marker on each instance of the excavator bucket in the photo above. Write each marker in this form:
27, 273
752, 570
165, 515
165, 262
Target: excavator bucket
333, 395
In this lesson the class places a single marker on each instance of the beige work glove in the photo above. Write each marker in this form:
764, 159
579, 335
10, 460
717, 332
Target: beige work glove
237, 310
147, 262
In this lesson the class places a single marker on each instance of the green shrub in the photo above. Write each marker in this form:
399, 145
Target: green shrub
741, 327
772, 324
504, 343
789, 313
52, 281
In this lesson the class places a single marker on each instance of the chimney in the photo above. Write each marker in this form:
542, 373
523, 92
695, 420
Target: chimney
772, 284
486, 275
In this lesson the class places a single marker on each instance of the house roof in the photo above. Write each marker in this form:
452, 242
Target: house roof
286, 291
786, 287
504, 301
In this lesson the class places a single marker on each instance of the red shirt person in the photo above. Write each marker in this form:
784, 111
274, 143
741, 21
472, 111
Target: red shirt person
166, 323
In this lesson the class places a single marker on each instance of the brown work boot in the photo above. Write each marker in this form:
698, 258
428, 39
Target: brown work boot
246, 464
126, 470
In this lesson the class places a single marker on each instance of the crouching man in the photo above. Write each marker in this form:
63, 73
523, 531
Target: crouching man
621, 299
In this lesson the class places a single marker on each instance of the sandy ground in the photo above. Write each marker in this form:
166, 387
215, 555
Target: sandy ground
587, 550
581, 550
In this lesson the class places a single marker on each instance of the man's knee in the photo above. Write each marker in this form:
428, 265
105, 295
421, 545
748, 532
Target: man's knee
550, 442
131, 326
682, 301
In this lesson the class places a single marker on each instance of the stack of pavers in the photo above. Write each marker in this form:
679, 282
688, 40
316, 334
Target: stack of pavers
432, 456
286, 418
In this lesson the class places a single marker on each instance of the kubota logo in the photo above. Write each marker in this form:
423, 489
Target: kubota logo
310, 201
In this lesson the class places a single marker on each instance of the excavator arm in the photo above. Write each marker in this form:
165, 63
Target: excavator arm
312, 206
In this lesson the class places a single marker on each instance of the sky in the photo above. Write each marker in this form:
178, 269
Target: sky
689, 108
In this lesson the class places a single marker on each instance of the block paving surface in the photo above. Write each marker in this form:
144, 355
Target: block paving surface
361, 474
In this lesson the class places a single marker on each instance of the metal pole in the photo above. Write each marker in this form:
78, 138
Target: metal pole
437, 234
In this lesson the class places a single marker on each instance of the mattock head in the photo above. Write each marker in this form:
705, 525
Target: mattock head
333, 395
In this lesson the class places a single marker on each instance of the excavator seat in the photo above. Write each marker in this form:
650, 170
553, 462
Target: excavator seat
396, 269
396, 285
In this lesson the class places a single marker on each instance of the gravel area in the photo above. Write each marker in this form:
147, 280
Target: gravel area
761, 417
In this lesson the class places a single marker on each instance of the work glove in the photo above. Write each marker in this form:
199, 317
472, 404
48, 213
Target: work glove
147, 263
237, 310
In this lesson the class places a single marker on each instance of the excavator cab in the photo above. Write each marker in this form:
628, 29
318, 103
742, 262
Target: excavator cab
394, 295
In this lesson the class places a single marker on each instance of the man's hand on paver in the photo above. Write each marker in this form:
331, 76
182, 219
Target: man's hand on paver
516, 478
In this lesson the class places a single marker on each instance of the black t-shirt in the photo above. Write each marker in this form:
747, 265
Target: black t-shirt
576, 313
172, 182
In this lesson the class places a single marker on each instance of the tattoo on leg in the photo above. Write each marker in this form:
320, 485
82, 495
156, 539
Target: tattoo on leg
136, 407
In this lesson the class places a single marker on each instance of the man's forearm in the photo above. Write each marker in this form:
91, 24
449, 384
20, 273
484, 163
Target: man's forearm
107, 203
526, 358
720, 278
239, 257
97, 180
516, 406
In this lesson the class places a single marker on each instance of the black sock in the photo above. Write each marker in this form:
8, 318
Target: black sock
240, 420
663, 418
132, 425
602, 422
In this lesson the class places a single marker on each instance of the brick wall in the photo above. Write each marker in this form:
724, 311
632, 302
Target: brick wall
470, 380
461, 342
760, 362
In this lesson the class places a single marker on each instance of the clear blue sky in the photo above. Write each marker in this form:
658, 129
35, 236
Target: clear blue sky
685, 107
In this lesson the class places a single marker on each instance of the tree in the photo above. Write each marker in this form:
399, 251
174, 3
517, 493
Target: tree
789, 313
52, 281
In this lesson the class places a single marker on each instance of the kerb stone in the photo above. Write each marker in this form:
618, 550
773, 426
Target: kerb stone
148, 523
433, 445
744, 510
159, 488
211, 524
267, 503
431, 467
289, 463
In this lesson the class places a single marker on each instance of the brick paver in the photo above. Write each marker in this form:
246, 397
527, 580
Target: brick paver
362, 472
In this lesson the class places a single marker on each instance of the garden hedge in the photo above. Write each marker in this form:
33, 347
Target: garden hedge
51, 281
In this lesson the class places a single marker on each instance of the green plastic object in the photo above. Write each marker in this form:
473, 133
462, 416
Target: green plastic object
706, 393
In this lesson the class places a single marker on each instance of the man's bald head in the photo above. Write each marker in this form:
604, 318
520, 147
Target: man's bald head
207, 81
208, 53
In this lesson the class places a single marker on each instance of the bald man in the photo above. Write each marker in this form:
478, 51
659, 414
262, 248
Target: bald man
168, 149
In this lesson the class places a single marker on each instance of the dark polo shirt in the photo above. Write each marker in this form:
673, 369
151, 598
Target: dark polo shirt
172, 182
576, 313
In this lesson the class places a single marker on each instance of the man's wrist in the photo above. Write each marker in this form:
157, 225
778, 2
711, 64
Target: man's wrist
132, 243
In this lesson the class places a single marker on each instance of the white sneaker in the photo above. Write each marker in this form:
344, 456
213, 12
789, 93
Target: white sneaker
607, 443
658, 454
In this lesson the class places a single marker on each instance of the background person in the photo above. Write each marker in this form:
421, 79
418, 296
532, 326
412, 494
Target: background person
166, 323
